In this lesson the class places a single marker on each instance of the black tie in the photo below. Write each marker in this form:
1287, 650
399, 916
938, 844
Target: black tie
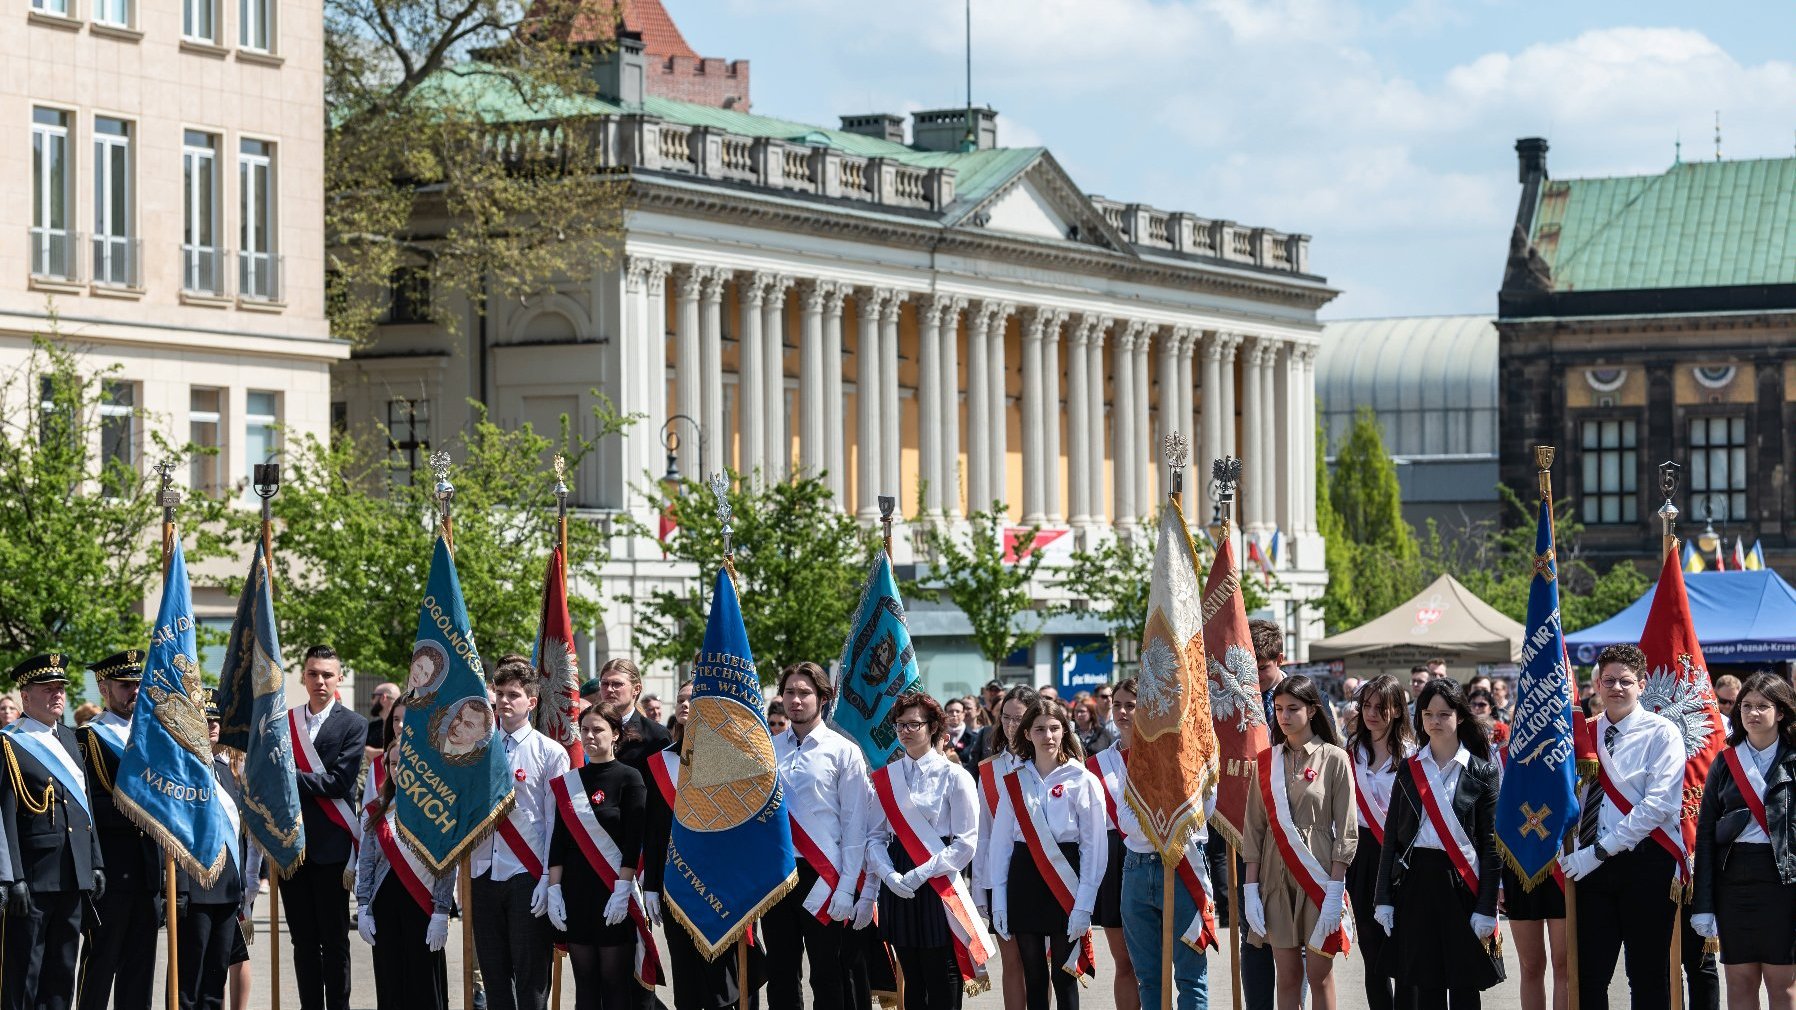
1593, 799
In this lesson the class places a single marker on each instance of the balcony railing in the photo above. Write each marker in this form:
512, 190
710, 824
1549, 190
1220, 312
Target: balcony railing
1153, 228
53, 254
202, 269
259, 275
117, 261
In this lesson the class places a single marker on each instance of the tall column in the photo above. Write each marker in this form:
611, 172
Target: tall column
710, 337
1185, 417
689, 389
929, 403
949, 475
1172, 407
1079, 422
1274, 446
1147, 454
1124, 446
1310, 452
812, 396
654, 363
1289, 438
835, 421
1094, 446
868, 303
1253, 446
1035, 417
1231, 441
1050, 413
979, 390
891, 430
999, 402
773, 376
750, 380
1211, 440
632, 393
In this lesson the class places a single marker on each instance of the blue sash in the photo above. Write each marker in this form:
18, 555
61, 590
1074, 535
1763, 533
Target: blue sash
59, 769
111, 736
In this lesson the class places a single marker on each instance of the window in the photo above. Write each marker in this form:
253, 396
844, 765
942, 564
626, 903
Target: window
114, 259
1611, 472
258, 274
200, 257
59, 7
118, 433
261, 412
52, 178
55, 420
205, 429
255, 25
112, 12
408, 435
409, 295
1718, 468
199, 20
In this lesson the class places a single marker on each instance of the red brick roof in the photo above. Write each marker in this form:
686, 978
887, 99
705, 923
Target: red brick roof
593, 19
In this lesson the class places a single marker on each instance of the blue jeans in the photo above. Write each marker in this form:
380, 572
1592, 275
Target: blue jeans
1142, 891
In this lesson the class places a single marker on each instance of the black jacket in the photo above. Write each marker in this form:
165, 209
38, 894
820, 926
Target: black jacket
58, 849
339, 746
133, 859
979, 749
1475, 806
643, 738
230, 886
1720, 797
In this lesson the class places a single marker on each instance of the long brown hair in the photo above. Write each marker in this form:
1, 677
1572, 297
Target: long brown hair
1774, 690
1000, 741
1070, 747
1388, 694
1304, 690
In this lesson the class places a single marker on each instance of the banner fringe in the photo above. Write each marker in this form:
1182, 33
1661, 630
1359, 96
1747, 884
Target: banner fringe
1529, 881
171, 846
735, 932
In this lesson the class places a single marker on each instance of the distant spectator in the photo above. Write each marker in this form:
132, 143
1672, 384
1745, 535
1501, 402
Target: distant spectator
379, 704
9, 709
1479, 681
1094, 736
1104, 695
1727, 690
1418, 679
1499, 696
776, 717
1484, 707
651, 708
86, 712
1437, 667
956, 732
1049, 692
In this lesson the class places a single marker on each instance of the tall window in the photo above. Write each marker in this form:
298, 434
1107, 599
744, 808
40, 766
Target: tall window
408, 434
205, 429
200, 256
409, 295
114, 262
1611, 472
255, 25
112, 12
52, 178
261, 412
1718, 468
257, 276
199, 20
118, 432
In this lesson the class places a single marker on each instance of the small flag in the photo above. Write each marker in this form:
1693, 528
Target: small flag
1755, 561
878, 664
1237, 712
1275, 551
1720, 555
1049, 543
165, 784
558, 716
666, 526
252, 720
1678, 688
1739, 554
1258, 556
1693, 559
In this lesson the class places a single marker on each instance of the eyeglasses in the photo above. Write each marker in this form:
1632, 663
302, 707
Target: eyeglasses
1104, 695
1757, 707
910, 725
1624, 683
1011, 720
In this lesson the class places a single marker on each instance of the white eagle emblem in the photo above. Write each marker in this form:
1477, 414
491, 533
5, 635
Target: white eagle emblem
1685, 697
1234, 688
1161, 689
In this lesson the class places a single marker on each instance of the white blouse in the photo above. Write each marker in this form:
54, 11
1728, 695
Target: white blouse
1071, 800
948, 801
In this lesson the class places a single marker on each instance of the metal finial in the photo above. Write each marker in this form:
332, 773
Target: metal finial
720, 489
267, 480
445, 492
886, 504
167, 495
560, 465
1176, 450
1668, 483
1543, 461
1225, 475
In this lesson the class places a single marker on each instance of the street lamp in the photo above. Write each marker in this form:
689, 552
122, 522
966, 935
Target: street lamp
1708, 539
670, 440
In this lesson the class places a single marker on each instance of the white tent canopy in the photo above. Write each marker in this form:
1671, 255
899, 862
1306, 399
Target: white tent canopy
1445, 620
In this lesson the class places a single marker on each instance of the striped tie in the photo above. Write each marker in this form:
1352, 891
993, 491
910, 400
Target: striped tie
1593, 800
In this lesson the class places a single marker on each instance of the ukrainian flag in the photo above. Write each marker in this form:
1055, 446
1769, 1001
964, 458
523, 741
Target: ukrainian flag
1693, 559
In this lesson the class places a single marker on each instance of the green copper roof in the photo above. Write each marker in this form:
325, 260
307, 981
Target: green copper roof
1700, 224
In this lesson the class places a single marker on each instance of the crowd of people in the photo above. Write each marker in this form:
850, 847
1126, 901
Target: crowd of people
1373, 830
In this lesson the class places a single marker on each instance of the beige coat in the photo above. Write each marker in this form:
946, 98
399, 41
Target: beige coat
1322, 807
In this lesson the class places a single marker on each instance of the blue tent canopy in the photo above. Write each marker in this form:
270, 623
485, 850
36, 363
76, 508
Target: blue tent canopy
1741, 617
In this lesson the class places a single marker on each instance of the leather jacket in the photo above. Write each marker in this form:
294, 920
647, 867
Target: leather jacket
1720, 796
1474, 805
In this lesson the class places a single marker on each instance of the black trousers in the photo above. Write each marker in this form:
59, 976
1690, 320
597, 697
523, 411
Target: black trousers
408, 975
516, 949
1042, 957
1382, 991
1702, 979
699, 984
39, 967
318, 920
1448, 999
795, 938
931, 978
1626, 904
109, 967
208, 934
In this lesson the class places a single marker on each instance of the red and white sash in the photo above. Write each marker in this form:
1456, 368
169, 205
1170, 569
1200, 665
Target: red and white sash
664, 767
1624, 802
1371, 814
1447, 828
1299, 860
306, 757
1050, 862
805, 831
1751, 782
1111, 768
603, 855
372, 783
988, 784
1201, 934
404, 864
972, 945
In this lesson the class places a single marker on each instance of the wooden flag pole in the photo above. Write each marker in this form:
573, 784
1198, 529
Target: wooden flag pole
445, 495
1668, 542
268, 484
1543, 461
1167, 873
1235, 920
168, 498
561, 493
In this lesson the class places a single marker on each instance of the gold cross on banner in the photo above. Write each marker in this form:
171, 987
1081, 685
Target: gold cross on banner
1543, 566
1535, 817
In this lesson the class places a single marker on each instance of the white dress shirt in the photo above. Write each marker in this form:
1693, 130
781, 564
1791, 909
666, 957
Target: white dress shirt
824, 773
1762, 759
314, 722
541, 760
117, 722
1646, 759
1374, 783
1443, 782
949, 803
1072, 805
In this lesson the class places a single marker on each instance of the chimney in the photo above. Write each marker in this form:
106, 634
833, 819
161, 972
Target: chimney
1531, 155
882, 125
946, 129
622, 73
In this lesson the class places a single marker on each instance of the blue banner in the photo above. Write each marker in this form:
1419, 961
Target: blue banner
730, 855
252, 719
165, 781
453, 783
1539, 800
878, 664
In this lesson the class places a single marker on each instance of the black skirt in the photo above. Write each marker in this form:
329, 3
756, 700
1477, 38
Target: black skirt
1033, 907
1755, 910
1546, 901
1108, 913
920, 921
1433, 946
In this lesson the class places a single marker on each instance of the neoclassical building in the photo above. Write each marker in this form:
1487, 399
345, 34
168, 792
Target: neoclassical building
952, 327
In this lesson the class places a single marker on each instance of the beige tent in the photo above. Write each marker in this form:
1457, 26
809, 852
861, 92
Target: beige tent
1444, 620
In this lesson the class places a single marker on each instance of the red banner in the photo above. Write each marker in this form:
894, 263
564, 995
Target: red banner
558, 715
1237, 712
1678, 688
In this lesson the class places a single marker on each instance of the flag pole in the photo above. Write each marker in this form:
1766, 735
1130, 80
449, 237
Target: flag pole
1225, 476
445, 496
887, 503
1668, 542
168, 497
268, 484
720, 490
1543, 462
560, 465
1176, 451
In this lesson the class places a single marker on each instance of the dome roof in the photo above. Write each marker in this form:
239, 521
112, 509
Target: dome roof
1432, 381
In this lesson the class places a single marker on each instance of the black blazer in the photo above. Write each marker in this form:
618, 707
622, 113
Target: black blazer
339, 746
1474, 804
979, 749
643, 738
58, 849
133, 859
1720, 797
228, 889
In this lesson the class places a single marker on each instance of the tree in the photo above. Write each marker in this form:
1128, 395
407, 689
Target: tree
1115, 579
1372, 557
458, 151
80, 533
800, 563
353, 531
992, 592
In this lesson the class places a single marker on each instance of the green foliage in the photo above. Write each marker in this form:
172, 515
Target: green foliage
1372, 557
1364, 493
800, 563
353, 534
1115, 579
975, 578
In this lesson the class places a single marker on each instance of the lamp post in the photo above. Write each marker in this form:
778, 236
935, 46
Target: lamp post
670, 441
1708, 539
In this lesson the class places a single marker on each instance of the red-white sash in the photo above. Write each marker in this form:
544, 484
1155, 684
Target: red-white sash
1463, 856
972, 945
1371, 816
1673, 844
603, 855
371, 784
1299, 860
404, 864
1201, 934
306, 757
804, 840
988, 784
664, 767
1752, 785
1111, 768
1050, 862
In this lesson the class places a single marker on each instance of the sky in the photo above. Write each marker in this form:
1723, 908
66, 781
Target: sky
1385, 130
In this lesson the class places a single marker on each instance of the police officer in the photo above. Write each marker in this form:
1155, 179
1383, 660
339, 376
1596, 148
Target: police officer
133, 861
57, 868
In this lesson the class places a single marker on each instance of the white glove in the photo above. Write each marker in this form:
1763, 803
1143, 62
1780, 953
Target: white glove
916, 879
651, 907
896, 885
1386, 916
1705, 925
1253, 909
1580, 864
617, 908
1333, 898
437, 933
539, 898
364, 924
1484, 925
1078, 923
557, 908
1001, 911
863, 912
841, 905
